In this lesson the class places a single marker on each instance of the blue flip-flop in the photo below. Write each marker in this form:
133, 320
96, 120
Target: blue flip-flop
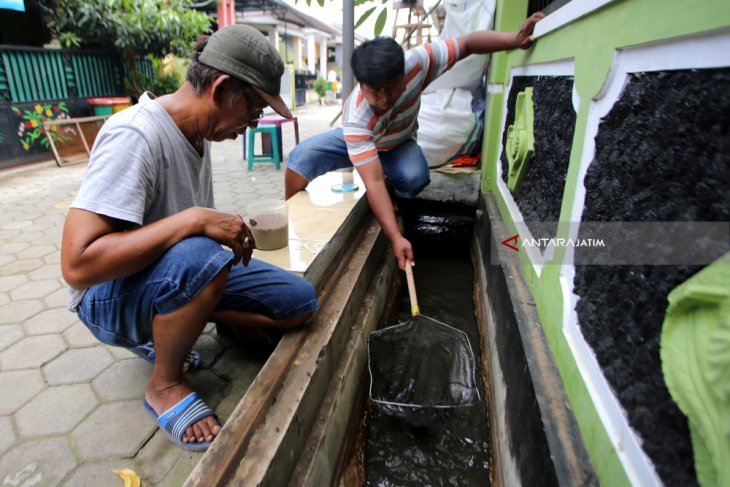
147, 351
176, 420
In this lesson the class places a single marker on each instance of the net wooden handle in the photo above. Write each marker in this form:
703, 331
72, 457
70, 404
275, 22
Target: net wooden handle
412, 289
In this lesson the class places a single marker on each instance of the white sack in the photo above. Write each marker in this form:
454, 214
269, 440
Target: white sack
447, 127
463, 17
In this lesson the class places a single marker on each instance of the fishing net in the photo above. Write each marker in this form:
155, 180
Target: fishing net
421, 369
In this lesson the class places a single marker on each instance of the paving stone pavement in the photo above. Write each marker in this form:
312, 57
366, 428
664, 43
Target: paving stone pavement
70, 407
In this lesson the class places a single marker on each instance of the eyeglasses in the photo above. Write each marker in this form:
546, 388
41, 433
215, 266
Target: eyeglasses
255, 114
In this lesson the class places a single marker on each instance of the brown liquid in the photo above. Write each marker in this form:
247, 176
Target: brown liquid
271, 231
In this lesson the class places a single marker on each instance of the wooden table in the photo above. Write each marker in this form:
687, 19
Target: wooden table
80, 131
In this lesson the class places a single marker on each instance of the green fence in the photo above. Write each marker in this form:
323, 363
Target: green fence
38, 84
35, 74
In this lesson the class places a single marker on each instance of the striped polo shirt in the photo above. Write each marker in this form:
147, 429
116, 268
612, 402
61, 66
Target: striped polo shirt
366, 132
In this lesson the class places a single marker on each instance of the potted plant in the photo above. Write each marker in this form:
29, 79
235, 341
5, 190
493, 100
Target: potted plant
320, 87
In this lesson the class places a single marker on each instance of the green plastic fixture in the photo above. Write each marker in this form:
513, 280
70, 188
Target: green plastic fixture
695, 355
520, 140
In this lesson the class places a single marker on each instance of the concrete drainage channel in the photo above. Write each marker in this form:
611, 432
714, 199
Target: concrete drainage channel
290, 426
301, 421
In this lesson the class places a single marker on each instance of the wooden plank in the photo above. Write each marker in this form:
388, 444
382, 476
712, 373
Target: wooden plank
52, 144
337, 248
78, 76
81, 135
342, 407
83, 138
31, 77
106, 72
223, 457
72, 121
272, 454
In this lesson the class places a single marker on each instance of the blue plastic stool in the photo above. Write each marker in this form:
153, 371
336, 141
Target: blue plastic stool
275, 155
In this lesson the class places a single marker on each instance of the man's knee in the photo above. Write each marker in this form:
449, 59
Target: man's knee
295, 153
303, 154
303, 303
319, 154
196, 267
412, 183
293, 183
419, 182
198, 247
295, 321
299, 163
198, 258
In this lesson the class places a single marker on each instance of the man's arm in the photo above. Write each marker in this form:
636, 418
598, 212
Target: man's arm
96, 248
379, 199
486, 41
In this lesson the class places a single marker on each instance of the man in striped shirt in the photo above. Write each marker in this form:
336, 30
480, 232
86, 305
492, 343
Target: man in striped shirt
379, 121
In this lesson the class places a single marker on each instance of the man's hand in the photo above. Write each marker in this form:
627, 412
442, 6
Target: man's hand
524, 35
402, 251
98, 248
229, 229
380, 203
486, 41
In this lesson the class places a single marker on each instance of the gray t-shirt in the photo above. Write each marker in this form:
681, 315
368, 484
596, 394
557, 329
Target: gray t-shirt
143, 169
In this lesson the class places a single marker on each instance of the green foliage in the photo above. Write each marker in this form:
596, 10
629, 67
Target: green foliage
134, 28
157, 27
364, 16
165, 79
379, 22
69, 39
320, 87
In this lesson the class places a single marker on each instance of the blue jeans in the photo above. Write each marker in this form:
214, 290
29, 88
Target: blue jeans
405, 167
120, 312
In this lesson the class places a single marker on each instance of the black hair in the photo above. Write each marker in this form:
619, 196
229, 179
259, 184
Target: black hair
378, 62
202, 75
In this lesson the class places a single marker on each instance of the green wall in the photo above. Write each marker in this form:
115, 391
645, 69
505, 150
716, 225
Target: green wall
591, 42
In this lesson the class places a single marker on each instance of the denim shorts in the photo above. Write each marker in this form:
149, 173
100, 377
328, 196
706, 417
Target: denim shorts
120, 312
405, 167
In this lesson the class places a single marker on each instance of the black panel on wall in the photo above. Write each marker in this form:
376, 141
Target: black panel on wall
541, 193
662, 154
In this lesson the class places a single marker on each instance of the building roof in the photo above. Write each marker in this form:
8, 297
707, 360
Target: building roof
281, 11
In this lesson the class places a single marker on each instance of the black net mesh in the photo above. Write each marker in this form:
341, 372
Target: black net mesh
421, 364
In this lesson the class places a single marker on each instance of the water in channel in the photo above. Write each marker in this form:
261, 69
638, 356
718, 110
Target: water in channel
454, 450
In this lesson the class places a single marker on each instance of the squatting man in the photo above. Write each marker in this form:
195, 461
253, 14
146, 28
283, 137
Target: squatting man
143, 243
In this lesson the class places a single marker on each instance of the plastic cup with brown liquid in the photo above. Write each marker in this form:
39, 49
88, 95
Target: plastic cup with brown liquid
269, 223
